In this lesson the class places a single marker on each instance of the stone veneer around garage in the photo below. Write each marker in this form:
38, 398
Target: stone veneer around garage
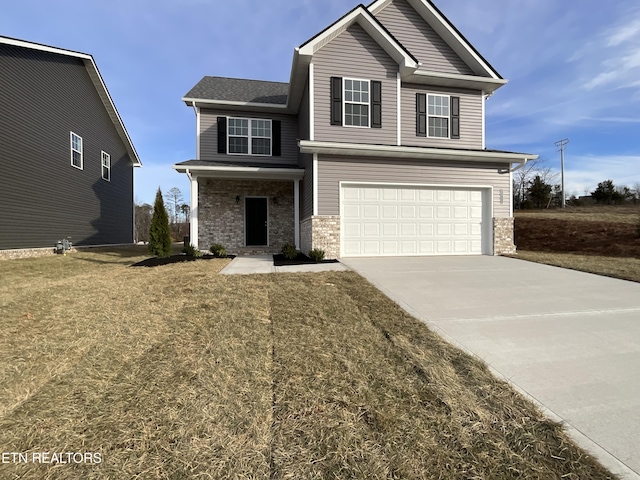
221, 219
323, 232
503, 240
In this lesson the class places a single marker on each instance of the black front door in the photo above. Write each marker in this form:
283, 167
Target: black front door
255, 222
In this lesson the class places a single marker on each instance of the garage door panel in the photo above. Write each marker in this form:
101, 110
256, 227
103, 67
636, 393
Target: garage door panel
408, 229
408, 212
351, 212
371, 211
425, 212
390, 229
351, 230
443, 212
393, 220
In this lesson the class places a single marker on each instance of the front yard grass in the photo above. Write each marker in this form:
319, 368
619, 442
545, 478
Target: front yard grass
625, 268
178, 372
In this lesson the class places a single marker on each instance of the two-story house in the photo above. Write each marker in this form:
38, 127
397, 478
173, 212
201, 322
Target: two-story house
376, 146
66, 160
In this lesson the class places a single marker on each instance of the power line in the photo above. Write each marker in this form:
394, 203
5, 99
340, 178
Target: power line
561, 144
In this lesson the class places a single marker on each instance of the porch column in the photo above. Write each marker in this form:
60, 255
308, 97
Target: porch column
296, 212
193, 224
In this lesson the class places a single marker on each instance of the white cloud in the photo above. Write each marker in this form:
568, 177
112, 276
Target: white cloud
586, 171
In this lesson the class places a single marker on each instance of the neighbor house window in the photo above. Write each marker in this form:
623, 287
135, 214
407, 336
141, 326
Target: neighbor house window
356, 102
76, 150
438, 116
249, 136
106, 166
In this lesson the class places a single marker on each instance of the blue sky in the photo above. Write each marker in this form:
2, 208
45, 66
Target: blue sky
573, 69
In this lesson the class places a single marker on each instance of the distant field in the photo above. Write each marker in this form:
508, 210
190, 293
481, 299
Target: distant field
596, 239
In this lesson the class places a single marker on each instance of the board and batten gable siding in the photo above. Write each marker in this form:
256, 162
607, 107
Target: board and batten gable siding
333, 170
43, 97
470, 118
354, 54
209, 137
417, 36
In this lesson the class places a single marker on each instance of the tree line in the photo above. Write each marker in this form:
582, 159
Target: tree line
535, 186
177, 215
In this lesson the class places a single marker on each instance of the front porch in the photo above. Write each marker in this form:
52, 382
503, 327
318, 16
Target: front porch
247, 208
246, 216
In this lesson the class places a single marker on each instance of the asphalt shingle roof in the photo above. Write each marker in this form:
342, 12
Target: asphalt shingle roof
240, 90
209, 163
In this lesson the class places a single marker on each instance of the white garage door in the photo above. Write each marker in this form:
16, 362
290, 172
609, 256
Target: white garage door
394, 220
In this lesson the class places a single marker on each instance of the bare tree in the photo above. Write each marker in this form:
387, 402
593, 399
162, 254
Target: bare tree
174, 201
523, 177
185, 209
142, 214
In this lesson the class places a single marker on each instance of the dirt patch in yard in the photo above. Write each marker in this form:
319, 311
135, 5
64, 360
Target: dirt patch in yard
577, 236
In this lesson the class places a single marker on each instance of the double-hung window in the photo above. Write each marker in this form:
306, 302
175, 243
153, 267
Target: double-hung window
76, 151
106, 166
249, 136
438, 116
356, 102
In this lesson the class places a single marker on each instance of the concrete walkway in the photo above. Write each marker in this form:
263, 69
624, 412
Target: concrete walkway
250, 264
568, 340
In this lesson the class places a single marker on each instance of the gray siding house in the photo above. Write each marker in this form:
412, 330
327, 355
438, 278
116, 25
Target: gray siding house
375, 147
66, 160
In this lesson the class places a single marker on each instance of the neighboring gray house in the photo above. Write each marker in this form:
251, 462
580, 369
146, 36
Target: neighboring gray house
66, 160
375, 147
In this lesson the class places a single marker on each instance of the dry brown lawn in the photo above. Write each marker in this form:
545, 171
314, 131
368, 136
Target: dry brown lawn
596, 239
177, 372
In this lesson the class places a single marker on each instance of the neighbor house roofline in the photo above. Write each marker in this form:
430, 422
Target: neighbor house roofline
98, 83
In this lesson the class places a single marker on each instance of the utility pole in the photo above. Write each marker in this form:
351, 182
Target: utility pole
561, 144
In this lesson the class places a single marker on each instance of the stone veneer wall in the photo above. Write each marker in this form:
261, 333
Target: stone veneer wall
26, 253
503, 243
325, 233
221, 219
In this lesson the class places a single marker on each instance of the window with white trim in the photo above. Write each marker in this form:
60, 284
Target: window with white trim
438, 116
356, 102
76, 151
249, 136
106, 166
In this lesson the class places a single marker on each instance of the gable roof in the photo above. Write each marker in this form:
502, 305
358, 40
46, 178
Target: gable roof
98, 83
285, 97
237, 91
449, 33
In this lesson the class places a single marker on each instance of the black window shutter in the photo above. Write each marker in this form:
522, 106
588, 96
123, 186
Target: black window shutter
421, 114
276, 138
455, 117
336, 100
376, 104
222, 135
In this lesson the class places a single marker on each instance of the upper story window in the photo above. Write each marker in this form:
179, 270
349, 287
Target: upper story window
106, 166
249, 136
76, 151
356, 103
437, 116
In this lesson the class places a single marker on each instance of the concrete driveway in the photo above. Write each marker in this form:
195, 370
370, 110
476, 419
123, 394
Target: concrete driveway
567, 339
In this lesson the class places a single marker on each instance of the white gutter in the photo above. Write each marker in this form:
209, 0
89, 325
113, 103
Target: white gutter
428, 153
